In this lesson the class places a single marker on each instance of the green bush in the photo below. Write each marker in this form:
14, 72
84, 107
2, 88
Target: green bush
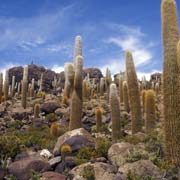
88, 173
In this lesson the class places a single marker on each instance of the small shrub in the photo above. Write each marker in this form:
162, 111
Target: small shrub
57, 129
51, 117
65, 150
88, 173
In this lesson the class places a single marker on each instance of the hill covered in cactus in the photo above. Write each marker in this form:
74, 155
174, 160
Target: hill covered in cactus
89, 122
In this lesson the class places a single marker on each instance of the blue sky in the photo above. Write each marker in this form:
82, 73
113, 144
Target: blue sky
44, 31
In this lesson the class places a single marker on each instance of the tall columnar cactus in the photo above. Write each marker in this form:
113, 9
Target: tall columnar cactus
98, 113
150, 109
19, 88
178, 53
13, 86
69, 79
32, 88
41, 83
125, 97
134, 94
6, 85
115, 112
1, 86
102, 86
78, 47
121, 88
76, 99
24, 87
85, 89
171, 81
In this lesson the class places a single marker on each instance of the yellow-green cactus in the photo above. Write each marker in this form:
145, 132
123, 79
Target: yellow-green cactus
150, 115
134, 94
36, 110
115, 112
171, 81
98, 113
76, 99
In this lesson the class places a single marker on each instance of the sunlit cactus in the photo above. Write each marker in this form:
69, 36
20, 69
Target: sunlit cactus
41, 83
69, 79
171, 81
6, 85
76, 99
115, 112
24, 87
157, 88
98, 113
32, 88
134, 94
78, 47
36, 110
150, 116
121, 88
1, 86
102, 87
125, 97
178, 53
85, 89
19, 88
13, 86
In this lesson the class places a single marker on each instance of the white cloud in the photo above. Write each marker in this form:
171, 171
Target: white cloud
147, 74
57, 68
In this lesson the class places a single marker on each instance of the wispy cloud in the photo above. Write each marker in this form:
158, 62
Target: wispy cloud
57, 68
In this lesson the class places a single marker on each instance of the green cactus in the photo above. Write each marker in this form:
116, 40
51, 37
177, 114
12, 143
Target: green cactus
6, 85
36, 110
125, 97
98, 113
171, 81
1, 86
121, 88
150, 109
76, 99
134, 94
115, 112
24, 87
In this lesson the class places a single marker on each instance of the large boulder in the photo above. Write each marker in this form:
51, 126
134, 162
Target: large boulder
76, 139
53, 176
119, 152
102, 171
49, 107
140, 168
22, 168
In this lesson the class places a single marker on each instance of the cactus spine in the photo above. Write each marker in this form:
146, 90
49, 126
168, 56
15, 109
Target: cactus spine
69, 79
24, 87
150, 111
121, 88
6, 85
1, 86
115, 112
125, 97
171, 81
76, 99
134, 94
98, 114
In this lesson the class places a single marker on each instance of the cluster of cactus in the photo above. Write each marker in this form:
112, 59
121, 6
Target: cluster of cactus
24, 87
171, 81
134, 94
115, 112
150, 110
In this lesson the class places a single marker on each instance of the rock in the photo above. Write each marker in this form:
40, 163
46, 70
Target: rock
21, 169
141, 168
49, 107
53, 176
77, 139
18, 112
61, 111
118, 153
102, 171
54, 161
45, 153
2, 173
68, 163
35, 72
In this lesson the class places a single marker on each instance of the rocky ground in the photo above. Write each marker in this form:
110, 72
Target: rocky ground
43, 148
